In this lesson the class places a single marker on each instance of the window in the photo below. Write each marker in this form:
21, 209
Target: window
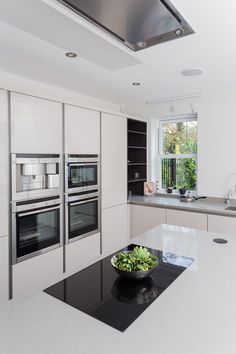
178, 153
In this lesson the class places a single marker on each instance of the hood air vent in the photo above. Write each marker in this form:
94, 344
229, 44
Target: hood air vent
138, 24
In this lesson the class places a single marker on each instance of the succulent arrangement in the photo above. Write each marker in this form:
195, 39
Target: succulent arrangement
140, 259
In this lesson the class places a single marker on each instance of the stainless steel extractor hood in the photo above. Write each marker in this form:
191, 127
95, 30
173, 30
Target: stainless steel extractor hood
138, 24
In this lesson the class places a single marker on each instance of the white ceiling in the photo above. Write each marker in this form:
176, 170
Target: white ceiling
35, 34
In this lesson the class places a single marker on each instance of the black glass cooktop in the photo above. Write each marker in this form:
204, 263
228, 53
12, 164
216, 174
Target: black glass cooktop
102, 294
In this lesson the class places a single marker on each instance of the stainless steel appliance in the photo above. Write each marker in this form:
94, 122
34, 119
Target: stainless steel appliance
36, 227
82, 215
138, 24
81, 173
35, 176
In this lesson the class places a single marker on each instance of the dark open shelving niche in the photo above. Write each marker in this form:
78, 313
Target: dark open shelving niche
137, 156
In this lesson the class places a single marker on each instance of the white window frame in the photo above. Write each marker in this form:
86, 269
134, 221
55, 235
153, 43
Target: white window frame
162, 156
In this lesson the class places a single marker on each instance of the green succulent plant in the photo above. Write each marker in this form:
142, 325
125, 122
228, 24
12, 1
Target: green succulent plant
138, 259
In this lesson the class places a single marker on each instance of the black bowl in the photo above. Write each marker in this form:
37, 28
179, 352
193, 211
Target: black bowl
135, 274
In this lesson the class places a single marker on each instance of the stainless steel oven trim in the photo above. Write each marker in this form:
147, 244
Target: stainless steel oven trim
37, 253
25, 207
78, 197
29, 160
37, 193
44, 210
82, 189
16, 260
69, 160
82, 164
67, 240
83, 202
72, 160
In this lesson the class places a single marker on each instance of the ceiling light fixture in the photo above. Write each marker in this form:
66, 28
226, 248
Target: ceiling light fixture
192, 72
174, 98
71, 55
141, 44
179, 31
136, 84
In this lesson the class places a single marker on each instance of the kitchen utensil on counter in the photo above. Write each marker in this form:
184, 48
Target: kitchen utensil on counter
190, 198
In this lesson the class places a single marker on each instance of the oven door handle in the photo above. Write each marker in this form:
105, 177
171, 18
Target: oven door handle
71, 164
83, 202
38, 211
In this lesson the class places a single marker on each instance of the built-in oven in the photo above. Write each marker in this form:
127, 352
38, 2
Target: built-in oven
82, 215
36, 227
36, 176
81, 173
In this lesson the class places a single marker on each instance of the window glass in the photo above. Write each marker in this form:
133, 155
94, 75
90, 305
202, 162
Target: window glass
179, 137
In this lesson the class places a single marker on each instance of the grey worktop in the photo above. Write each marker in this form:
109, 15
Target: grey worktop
214, 206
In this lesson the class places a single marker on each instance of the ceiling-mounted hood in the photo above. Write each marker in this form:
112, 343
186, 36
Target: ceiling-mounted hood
138, 24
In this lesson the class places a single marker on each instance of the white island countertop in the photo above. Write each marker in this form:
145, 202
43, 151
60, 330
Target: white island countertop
195, 315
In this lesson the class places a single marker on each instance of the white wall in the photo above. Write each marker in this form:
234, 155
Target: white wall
216, 138
35, 88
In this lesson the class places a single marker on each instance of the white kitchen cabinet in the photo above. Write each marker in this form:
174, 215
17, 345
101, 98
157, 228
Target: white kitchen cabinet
37, 273
4, 178
144, 218
222, 224
114, 229
36, 125
186, 219
4, 269
114, 160
81, 253
82, 130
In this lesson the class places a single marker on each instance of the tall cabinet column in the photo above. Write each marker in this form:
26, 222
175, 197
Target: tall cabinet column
114, 183
4, 187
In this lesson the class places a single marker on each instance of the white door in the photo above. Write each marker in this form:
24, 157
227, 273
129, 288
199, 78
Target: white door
222, 224
187, 219
4, 178
114, 160
36, 125
114, 229
144, 218
82, 130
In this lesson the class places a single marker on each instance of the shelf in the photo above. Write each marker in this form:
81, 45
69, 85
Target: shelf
137, 147
137, 180
136, 132
137, 164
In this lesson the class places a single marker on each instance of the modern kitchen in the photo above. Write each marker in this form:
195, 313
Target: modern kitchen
118, 177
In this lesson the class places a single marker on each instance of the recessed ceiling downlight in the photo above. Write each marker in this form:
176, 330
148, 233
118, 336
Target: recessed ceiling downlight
71, 55
192, 72
136, 84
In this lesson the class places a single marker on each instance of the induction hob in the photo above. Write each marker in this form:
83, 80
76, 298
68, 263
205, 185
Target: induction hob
99, 292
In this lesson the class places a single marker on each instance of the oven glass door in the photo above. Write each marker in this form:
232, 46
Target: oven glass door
83, 175
83, 218
37, 230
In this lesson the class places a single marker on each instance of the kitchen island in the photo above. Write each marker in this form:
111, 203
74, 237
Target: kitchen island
196, 314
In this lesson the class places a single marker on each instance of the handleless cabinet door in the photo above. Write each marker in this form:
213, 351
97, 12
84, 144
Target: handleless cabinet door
222, 224
114, 229
82, 130
144, 218
187, 219
36, 125
4, 179
4, 266
114, 160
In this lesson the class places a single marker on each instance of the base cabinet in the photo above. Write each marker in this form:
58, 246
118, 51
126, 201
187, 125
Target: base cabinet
80, 254
37, 273
222, 224
114, 229
4, 269
187, 219
144, 218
